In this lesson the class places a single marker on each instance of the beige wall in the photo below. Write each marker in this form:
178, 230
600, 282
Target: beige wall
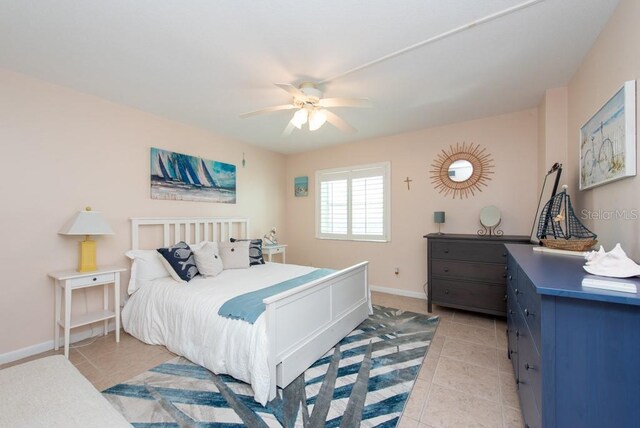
552, 132
542, 142
512, 141
63, 150
612, 60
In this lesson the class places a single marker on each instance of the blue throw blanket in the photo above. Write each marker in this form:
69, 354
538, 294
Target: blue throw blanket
249, 306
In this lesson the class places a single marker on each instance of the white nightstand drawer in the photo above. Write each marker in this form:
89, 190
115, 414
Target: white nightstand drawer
277, 250
92, 279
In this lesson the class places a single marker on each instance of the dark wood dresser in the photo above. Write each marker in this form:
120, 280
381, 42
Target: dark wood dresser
469, 271
574, 349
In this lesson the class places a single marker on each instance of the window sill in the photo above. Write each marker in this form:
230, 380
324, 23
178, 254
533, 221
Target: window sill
378, 241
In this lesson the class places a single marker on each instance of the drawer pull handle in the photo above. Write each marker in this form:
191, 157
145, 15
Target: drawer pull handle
517, 333
510, 311
446, 269
516, 291
95, 279
504, 254
446, 251
506, 268
504, 275
528, 367
510, 277
505, 297
446, 291
527, 313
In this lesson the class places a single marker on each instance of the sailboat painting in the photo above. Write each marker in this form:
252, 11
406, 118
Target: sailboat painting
179, 177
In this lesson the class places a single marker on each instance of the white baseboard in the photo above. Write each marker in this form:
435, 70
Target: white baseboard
39, 348
398, 292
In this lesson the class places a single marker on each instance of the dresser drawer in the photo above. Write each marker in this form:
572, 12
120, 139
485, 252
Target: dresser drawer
469, 270
512, 272
103, 278
475, 294
529, 302
477, 252
529, 369
532, 418
512, 337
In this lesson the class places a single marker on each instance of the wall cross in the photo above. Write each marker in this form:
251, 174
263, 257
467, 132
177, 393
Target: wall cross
408, 181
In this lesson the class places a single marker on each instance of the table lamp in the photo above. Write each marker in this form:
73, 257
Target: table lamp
438, 218
87, 223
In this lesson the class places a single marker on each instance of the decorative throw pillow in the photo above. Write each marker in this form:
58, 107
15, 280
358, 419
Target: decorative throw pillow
208, 259
179, 261
235, 255
147, 266
255, 251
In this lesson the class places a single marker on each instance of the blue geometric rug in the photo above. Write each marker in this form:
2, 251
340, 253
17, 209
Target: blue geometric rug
365, 380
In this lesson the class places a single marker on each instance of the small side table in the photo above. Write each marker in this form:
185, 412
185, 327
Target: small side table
73, 280
270, 250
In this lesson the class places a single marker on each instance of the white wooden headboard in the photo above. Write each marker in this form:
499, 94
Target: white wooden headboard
192, 230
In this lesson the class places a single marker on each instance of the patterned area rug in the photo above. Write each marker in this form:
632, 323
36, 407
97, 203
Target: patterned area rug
365, 380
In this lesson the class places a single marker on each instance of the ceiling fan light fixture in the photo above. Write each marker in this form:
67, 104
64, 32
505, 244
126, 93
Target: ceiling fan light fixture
300, 118
317, 119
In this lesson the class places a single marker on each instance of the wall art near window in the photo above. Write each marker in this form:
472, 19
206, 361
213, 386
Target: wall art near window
301, 185
179, 177
608, 140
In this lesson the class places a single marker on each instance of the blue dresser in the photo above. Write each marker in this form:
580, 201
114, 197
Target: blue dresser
575, 351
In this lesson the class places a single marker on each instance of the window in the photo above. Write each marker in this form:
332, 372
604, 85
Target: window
353, 203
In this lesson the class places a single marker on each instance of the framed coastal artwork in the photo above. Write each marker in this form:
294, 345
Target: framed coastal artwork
608, 140
180, 177
301, 186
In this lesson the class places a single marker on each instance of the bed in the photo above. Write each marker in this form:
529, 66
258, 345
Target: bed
296, 328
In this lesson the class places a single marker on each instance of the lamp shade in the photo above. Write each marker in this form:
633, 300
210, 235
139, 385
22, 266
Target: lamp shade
86, 223
438, 217
300, 118
317, 119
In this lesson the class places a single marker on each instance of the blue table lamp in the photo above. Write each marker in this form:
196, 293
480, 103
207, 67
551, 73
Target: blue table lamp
438, 218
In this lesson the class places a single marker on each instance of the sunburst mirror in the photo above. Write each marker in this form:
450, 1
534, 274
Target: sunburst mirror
461, 171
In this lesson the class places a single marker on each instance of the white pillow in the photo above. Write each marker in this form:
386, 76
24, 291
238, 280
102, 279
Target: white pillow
208, 259
147, 266
235, 255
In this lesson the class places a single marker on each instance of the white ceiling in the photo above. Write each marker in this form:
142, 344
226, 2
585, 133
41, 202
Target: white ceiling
205, 62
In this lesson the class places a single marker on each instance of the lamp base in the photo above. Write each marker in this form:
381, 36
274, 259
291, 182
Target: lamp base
87, 256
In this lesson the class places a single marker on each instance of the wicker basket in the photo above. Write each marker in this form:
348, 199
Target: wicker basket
569, 244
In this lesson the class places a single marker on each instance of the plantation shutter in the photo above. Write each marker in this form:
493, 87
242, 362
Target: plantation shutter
353, 203
334, 203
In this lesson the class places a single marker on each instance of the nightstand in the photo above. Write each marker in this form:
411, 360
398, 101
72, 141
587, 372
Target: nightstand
270, 250
73, 280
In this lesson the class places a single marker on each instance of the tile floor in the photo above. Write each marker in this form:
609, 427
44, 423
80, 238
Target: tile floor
465, 380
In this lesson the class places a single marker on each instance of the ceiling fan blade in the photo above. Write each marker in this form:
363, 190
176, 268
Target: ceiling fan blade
292, 90
267, 110
288, 129
339, 123
345, 102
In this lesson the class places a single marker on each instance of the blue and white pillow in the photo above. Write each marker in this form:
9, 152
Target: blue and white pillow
179, 261
255, 251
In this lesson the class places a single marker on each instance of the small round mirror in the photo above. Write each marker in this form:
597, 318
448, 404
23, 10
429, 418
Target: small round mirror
490, 216
460, 170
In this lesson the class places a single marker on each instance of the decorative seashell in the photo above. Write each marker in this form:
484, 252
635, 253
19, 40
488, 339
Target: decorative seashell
592, 257
613, 264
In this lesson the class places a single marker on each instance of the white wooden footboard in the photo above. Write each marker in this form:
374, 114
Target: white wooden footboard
305, 322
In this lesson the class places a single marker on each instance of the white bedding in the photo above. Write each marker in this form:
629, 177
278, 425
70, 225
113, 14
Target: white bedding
184, 318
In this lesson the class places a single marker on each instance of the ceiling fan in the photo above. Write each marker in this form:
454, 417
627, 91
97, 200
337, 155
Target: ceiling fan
311, 108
